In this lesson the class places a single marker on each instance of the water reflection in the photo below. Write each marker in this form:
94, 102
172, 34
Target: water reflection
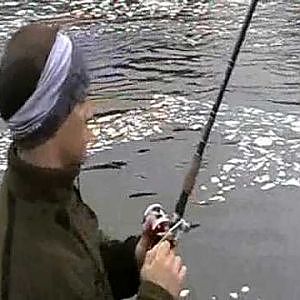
138, 49
171, 55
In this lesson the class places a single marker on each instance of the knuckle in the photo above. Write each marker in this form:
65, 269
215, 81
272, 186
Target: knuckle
172, 253
179, 259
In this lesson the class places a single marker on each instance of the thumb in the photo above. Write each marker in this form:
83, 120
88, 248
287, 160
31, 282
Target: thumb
151, 254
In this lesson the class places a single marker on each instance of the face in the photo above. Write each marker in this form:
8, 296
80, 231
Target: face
74, 135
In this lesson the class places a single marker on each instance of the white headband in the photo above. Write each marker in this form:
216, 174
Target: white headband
31, 115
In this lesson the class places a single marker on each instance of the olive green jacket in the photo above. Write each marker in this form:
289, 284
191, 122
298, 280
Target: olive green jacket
50, 244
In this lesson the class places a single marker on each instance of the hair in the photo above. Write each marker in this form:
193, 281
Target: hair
21, 65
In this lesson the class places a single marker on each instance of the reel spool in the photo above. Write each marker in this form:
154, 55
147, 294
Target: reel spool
156, 221
160, 225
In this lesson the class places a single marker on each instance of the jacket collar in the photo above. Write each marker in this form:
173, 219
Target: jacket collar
26, 180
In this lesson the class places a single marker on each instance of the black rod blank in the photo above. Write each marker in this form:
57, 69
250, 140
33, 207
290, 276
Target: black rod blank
192, 174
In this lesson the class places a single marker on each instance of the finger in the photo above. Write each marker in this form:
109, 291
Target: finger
156, 247
149, 257
163, 249
151, 254
170, 260
182, 273
177, 264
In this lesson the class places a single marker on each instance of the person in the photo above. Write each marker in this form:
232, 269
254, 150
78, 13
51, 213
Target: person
50, 243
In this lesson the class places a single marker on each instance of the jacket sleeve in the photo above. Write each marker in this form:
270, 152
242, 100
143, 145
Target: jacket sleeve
151, 291
121, 266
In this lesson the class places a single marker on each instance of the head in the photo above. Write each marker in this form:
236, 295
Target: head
43, 86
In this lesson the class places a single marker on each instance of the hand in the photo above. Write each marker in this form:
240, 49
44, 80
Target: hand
148, 239
143, 245
152, 227
163, 268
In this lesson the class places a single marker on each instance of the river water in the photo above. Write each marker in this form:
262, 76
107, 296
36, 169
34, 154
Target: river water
170, 57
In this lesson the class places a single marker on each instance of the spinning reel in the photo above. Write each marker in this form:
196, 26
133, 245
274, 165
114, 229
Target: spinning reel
161, 226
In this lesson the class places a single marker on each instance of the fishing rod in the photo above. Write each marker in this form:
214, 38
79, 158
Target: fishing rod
160, 221
190, 178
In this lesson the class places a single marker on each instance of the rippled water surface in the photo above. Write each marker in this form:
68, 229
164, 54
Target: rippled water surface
171, 56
